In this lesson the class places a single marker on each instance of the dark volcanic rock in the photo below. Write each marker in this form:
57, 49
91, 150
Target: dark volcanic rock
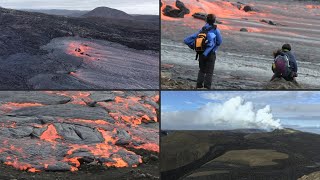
124, 138
180, 5
200, 16
176, 13
272, 23
102, 96
247, 8
78, 134
65, 110
244, 30
32, 97
269, 22
59, 166
172, 12
25, 32
61, 137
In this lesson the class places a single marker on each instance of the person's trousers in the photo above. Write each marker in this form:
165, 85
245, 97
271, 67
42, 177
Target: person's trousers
206, 65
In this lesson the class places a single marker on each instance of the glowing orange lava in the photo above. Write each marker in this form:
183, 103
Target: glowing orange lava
80, 50
76, 96
108, 148
11, 106
50, 134
313, 6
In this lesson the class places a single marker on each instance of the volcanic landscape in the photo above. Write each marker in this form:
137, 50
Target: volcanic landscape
240, 154
101, 49
79, 135
245, 57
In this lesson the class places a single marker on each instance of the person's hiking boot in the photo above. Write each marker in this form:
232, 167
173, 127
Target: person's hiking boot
207, 87
199, 86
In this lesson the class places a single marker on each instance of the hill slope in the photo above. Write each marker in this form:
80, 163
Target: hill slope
281, 154
107, 12
25, 32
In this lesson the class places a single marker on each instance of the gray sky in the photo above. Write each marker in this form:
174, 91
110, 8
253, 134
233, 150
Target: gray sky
129, 6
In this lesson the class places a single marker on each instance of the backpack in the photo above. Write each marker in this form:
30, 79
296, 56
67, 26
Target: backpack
200, 42
281, 65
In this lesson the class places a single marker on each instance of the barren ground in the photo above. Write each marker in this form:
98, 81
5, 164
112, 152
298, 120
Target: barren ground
244, 59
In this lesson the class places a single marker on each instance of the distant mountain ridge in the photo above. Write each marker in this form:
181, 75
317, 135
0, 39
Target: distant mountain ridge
60, 12
107, 12
26, 32
99, 12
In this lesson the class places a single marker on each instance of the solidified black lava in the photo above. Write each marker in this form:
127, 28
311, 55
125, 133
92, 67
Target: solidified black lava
176, 13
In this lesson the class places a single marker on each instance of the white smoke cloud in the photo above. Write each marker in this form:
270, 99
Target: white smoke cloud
232, 114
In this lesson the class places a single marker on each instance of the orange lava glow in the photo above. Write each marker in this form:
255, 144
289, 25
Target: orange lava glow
226, 13
156, 98
123, 104
81, 50
118, 163
150, 146
50, 134
147, 146
127, 111
221, 9
313, 6
102, 150
76, 96
11, 106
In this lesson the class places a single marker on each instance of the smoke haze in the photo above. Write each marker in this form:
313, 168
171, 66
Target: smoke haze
235, 113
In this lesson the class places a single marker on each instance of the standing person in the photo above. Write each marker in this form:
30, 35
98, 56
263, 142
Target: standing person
206, 43
285, 64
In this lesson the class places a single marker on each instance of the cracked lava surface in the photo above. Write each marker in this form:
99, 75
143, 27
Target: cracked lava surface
58, 131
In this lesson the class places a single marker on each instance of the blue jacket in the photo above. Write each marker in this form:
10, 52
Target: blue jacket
214, 40
292, 61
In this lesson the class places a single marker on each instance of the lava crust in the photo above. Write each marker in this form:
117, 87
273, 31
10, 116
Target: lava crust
59, 131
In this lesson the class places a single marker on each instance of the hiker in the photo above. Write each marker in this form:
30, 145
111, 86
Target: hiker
205, 43
284, 64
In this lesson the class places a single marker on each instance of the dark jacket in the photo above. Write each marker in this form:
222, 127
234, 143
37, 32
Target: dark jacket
292, 60
214, 40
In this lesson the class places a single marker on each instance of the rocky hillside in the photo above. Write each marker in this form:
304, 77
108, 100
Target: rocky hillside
25, 32
201, 155
60, 12
107, 12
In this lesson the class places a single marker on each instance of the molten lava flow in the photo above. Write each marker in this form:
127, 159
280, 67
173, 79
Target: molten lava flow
54, 143
85, 50
125, 104
118, 162
313, 6
50, 134
149, 146
11, 106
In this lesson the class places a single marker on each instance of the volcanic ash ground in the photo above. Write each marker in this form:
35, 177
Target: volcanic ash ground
58, 131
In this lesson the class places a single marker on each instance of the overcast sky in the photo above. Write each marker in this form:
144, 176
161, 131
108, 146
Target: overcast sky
129, 6
295, 109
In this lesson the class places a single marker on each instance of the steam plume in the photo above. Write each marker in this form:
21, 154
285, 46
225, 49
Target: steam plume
232, 114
